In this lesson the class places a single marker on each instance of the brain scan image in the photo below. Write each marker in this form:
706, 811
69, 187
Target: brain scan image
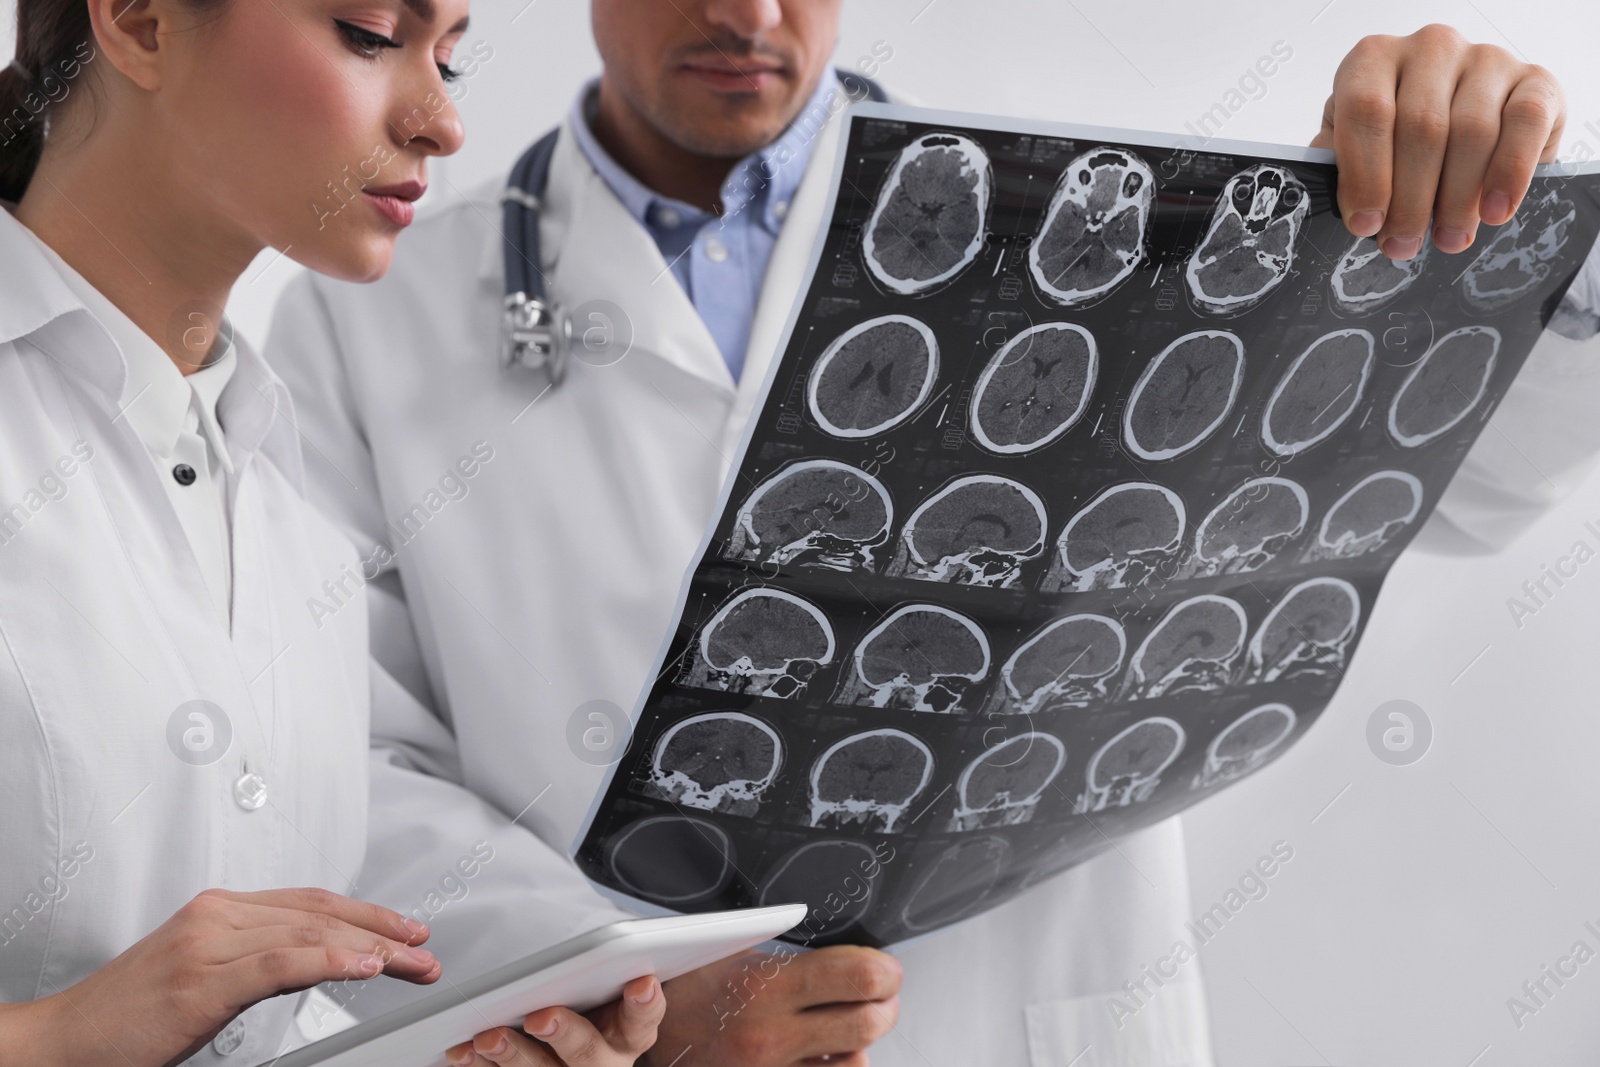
1128, 768
836, 880
1002, 787
956, 883
1118, 538
1068, 664
671, 859
869, 780
723, 761
978, 530
1193, 649
1520, 254
1035, 389
817, 513
1307, 634
1445, 386
1249, 528
1248, 248
1365, 280
1184, 394
873, 377
762, 642
1093, 233
930, 220
1245, 744
1318, 392
1368, 516
921, 658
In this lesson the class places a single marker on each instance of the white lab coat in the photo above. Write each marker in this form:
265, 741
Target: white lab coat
552, 582
107, 628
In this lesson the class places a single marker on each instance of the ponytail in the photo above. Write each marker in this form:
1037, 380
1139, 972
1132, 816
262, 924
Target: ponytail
53, 44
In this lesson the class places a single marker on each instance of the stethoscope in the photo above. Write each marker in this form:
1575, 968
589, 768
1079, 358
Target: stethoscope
535, 331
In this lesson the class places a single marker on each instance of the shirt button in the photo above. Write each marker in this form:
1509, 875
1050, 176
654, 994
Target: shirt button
668, 217
716, 251
780, 209
183, 474
231, 1039
250, 791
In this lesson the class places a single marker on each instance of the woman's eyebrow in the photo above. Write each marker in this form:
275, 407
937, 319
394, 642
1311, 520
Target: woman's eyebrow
427, 11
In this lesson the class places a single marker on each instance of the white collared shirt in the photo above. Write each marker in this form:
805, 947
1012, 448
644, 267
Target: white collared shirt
176, 418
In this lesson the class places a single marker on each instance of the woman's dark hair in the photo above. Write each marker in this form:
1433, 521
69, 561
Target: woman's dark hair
55, 45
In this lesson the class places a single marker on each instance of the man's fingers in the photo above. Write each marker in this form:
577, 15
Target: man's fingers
574, 1039
1423, 102
501, 1045
1474, 133
1363, 133
379, 920
630, 1024
844, 974
841, 1029
1530, 131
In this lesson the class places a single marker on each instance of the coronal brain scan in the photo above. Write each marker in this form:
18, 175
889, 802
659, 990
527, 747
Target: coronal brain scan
1118, 537
1250, 526
1068, 664
723, 761
1184, 394
1093, 233
1365, 280
869, 779
978, 530
930, 219
1445, 386
1318, 392
874, 376
1244, 744
1249, 247
1193, 649
1518, 258
1307, 633
765, 642
1035, 389
921, 658
1127, 769
1003, 786
815, 513
1059, 506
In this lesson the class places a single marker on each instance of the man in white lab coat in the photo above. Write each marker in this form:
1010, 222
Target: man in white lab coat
524, 548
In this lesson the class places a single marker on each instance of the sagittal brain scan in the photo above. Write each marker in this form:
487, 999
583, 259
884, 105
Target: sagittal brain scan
978, 530
1249, 247
766, 642
1062, 505
930, 219
1184, 394
874, 376
1093, 233
1365, 280
1445, 387
921, 658
1035, 389
815, 513
1319, 391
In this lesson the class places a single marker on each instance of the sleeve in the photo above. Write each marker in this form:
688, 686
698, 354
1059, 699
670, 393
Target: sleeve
491, 890
1540, 444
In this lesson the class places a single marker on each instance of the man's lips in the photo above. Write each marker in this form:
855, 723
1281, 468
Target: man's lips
735, 77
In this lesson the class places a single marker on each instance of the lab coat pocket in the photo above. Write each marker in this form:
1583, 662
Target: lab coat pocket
1169, 1030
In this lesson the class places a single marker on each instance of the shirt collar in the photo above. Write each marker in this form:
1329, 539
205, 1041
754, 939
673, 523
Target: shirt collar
769, 176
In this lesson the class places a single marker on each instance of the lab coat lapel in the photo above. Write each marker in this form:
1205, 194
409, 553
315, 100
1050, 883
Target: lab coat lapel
616, 260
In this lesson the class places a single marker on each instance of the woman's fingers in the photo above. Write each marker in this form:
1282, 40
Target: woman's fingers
1531, 122
1474, 132
286, 970
399, 960
378, 920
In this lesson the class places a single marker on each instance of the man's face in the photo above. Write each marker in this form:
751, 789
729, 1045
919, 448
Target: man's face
718, 78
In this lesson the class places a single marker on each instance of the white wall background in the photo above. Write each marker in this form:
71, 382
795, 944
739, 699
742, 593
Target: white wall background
1423, 896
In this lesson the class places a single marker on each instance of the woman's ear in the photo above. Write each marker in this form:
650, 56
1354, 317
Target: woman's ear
128, 33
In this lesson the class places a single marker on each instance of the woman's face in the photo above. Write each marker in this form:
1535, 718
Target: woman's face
307, 124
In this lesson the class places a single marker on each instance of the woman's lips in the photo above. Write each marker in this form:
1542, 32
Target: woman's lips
395, 202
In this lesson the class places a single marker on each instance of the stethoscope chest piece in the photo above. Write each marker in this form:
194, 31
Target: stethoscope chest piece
536, 335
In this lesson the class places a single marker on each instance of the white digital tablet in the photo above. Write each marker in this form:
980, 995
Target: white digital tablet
585, 972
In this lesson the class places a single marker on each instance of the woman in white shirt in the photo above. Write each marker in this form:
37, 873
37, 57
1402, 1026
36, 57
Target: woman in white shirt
183, 749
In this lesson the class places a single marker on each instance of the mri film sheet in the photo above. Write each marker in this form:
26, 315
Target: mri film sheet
1075, 483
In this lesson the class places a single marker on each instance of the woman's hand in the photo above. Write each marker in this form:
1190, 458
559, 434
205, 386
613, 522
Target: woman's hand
614, 1036
164, 998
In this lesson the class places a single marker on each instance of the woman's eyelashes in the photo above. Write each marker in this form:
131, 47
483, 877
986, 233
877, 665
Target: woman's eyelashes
370, 45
